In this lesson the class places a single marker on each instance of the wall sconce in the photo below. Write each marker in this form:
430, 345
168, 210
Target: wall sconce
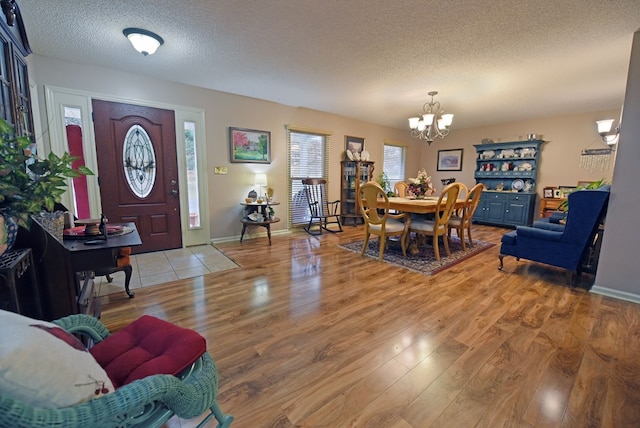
145, 42
608, 135
260, 180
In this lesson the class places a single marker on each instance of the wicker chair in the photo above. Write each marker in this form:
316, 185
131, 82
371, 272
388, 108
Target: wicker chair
149, 402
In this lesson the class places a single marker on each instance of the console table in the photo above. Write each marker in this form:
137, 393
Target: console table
65, 268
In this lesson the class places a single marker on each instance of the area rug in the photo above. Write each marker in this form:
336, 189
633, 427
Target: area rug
424, 261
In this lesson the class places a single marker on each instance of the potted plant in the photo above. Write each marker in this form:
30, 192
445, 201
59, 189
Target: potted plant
29, 185
384, 182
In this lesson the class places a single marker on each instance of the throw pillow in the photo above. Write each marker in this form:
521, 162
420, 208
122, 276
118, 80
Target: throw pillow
44, 366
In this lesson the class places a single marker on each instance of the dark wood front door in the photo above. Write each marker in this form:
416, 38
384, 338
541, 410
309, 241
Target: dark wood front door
138, 171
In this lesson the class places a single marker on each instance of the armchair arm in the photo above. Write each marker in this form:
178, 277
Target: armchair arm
398, 216
84, 324
539, 234
548, 226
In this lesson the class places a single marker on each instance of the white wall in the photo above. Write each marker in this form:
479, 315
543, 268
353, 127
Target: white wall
617, 275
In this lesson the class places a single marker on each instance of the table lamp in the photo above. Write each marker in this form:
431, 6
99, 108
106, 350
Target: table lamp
261, 180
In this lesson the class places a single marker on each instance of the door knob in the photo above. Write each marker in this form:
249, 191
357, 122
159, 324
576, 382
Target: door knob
174, 192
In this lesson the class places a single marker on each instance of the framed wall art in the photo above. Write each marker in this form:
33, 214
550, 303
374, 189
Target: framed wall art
249, 145
450, 160
354, 144
548, 192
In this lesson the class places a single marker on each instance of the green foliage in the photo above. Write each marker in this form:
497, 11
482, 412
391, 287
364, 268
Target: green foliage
383, 181
564, 205
29, 184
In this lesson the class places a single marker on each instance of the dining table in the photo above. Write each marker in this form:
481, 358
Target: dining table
427, 205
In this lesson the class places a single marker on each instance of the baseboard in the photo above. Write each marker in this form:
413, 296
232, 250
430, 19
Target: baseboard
247, 236
616, 294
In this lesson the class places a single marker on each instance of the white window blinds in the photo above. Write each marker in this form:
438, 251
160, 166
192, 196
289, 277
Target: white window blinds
308, 157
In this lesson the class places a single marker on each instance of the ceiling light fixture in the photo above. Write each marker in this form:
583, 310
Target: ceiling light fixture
432, 122
145, 42
604, 129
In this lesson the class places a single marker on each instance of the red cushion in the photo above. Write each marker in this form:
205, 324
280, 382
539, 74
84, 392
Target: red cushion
146, 347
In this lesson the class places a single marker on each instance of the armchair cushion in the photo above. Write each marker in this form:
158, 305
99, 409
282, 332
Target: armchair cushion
148, 346
45, 366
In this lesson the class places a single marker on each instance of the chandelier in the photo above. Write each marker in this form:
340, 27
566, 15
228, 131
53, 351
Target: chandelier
431, 122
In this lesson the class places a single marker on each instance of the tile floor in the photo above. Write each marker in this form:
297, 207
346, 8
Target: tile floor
164, 266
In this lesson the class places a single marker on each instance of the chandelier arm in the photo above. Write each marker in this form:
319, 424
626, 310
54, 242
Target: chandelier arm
433, 129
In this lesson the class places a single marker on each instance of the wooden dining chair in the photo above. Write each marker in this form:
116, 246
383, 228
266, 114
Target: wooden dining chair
439, 226
380, 221
400, 189
461, 219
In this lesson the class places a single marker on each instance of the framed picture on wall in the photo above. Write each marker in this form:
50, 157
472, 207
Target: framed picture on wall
249, 145
557, 193
354, 144
450, 160
548, 192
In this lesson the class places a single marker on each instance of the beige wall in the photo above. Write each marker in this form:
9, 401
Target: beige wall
221, 111
566, 136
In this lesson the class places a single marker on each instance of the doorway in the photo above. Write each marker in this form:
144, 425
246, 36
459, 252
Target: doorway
138, 171
191, 151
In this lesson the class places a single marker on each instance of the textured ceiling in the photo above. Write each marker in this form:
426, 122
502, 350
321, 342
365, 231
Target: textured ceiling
375, 60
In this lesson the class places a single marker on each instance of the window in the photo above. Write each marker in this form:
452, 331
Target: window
191, 156
393, 164
308, 158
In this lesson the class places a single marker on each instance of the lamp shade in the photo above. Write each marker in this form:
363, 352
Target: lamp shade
260, 179
604, 126
144, 41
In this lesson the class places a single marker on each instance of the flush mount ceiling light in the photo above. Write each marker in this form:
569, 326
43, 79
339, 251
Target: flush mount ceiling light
431, 122
608, 135
144, 41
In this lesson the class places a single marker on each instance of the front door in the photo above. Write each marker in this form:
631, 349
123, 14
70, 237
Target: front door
138, 171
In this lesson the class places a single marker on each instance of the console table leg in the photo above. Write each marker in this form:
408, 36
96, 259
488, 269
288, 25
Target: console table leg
268, 226
128, 270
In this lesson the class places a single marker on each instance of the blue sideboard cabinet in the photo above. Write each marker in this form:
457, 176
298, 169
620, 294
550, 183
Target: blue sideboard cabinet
509, 171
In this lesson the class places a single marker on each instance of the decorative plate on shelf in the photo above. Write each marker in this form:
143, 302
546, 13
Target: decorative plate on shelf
349, 154
256, 217
517, 184
364, 155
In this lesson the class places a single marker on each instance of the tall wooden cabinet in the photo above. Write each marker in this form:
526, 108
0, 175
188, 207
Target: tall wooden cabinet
353, 174
15, 96
509, 171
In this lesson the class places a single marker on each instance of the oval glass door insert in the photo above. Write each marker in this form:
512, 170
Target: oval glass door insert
139, 161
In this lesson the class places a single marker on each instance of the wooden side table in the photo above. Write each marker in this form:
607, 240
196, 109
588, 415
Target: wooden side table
549, 204
14, 264
262, 208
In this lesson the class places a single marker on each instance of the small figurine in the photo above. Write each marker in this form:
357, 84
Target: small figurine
500, 187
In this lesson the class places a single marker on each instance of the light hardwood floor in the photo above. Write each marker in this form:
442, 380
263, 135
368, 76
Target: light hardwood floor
308, 334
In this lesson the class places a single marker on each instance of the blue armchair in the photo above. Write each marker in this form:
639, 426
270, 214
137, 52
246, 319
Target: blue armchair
560, 245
